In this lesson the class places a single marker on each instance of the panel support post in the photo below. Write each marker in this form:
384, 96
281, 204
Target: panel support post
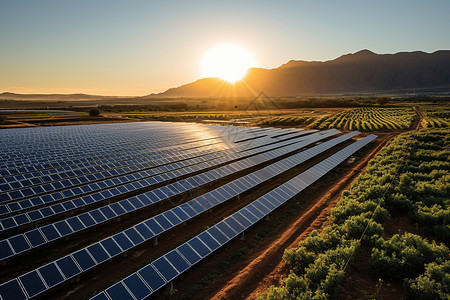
171, 292
243, 236
155, 241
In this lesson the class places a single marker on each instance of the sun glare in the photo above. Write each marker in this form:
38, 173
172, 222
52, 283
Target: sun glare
229, 62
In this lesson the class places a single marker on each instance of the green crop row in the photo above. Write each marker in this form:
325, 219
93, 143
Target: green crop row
368, 119
436, 117
287, 121
410, 175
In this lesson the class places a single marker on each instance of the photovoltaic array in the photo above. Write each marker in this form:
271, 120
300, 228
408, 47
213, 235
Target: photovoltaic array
59, 181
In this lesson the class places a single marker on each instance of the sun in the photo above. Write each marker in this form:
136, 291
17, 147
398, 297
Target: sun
229, 62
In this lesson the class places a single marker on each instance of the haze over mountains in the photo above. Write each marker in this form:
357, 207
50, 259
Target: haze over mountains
361, 72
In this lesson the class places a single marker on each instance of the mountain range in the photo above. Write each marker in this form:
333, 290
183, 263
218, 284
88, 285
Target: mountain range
360, 72
355, 73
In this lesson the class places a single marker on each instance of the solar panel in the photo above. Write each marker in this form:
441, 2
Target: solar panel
19, 243
51, 274
177, 261
199, 247
136, 286
68, 267
123, 241
119, 292
32, 283
12, 290
165, 268
187, 252
209, 241
111, 247
98, 253
151, 277
83, 259
134, 236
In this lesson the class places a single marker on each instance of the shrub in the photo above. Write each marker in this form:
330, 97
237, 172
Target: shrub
94, 112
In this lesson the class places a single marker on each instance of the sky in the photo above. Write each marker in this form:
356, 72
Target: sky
127, 47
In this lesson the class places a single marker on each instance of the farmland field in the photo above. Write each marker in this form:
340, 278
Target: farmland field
407, 179
127, 209
436, 116
189, 210
368, 119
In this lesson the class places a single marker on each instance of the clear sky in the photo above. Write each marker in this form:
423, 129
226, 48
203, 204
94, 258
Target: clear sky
127, 47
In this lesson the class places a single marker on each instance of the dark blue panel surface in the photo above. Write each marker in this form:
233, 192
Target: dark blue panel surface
75, 223
50, 232
118, 292
189, 254
135, 202
233, 224
154, 226
111, 247
226, 229
180, 213
209, 241
196, 206
117, 209
165, 268
11, 290
134, 236
123, 241
255, 211
63, 228
199, 247
144, 231
151, 277
19, 243
204, 202
126, 205
52, 276
32, 283
188, 210
137, 287
98, 253
87, 220
220, 237
83, 259
177, 261
246, 213
68, 267
163, 221
243, 221
35, 237
97, 215
172, 217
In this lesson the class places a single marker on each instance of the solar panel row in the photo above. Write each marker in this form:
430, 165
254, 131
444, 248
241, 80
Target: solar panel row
122, 188
49, 183
178, 260
46, 184
67, 146
85, 148
164, 269
39, 236
142, 161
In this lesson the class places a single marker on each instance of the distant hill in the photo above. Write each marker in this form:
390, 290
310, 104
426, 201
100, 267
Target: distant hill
360, 72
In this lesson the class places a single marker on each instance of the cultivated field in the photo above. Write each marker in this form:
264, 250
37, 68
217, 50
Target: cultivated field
179, 210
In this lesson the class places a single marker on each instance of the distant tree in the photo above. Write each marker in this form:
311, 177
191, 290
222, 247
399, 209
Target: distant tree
382, 101
94, 112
